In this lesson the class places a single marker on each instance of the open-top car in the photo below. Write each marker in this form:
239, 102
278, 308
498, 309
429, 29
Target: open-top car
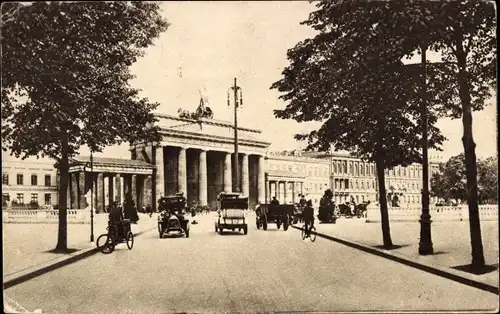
232, 208
172, 217
274, 213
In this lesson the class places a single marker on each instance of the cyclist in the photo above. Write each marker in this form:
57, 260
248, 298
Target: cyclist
308, 215
116, 219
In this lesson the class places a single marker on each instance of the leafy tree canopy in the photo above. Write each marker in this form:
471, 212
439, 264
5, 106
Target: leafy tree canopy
65, 73
368, 105
451, 183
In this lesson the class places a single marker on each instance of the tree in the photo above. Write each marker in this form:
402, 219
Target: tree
488, 180
341, 78
65, 73
464, 33
450, 182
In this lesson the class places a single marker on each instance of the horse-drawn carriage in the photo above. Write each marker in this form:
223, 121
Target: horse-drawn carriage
231, 212
274, 213
171, 219
346, 210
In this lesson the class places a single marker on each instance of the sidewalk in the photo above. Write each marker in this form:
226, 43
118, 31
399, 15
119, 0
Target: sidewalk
451, 242
26, 247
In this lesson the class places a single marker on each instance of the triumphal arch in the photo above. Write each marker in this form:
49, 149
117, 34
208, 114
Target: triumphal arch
196, 157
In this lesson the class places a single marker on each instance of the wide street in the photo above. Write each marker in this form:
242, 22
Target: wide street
259, 272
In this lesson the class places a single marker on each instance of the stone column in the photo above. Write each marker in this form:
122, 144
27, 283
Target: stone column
293, 192
278, 191
261, 181
148, 192
160, 172
81, 190
133, 190
245, 184
118, 189
100, 192
94, 186
285, 192
68, 195
228, 185
182, 178
111, 193
202, 179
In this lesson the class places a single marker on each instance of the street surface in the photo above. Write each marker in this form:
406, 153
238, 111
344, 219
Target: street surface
260, 272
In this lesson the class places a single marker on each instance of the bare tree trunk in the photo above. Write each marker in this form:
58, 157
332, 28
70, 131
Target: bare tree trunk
384, 214
470, 161
62, 235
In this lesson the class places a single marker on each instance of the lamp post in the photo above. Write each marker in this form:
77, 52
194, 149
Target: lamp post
91, 198
235, 89
425, 245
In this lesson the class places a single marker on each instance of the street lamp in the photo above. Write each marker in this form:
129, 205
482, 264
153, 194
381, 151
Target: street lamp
91, 195
235, 88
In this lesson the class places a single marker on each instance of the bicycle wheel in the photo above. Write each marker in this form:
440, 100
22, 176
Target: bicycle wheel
106, 244
130, 240
312, 234
303, 232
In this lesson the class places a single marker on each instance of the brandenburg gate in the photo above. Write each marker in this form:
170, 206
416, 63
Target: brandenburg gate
196, 158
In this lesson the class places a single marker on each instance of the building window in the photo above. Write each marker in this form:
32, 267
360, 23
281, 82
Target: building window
373, 170
34, 197
34, 179
48, 199
334, 168
5, 179
362, 168
362, 185
5, 198
20, 198
20, 179
47, 180
373, 185
345, 167
357, 184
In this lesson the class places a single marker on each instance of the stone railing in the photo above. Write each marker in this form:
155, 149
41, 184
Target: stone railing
75, 216
440, 213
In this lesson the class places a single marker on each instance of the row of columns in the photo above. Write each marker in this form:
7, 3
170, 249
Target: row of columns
275, 191
139, 187
202, 175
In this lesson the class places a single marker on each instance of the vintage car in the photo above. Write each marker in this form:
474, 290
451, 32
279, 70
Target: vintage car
172, 218
231, 212
271, 213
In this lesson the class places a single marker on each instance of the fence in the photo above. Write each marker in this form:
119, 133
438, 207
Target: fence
441, 213
75, 216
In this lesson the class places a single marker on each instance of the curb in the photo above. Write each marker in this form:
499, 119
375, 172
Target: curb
43, 268
427, 267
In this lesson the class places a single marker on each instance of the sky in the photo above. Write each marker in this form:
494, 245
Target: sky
208, 44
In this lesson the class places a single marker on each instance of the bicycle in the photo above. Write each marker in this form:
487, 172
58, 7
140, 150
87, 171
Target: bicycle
107, 241
311, 233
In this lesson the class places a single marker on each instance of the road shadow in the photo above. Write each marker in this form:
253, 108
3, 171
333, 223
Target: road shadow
234, 233
67, 251
468, 268
393, 247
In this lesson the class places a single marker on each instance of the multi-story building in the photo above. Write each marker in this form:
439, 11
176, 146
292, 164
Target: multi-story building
30, 181
288, 174
357, 179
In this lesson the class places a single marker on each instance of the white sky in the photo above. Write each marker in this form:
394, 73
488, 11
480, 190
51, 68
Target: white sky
210, 43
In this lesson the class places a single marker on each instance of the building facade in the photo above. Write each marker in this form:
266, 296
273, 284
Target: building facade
30, 181
197, 158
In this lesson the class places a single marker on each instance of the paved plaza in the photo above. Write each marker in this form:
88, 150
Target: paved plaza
264, 271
